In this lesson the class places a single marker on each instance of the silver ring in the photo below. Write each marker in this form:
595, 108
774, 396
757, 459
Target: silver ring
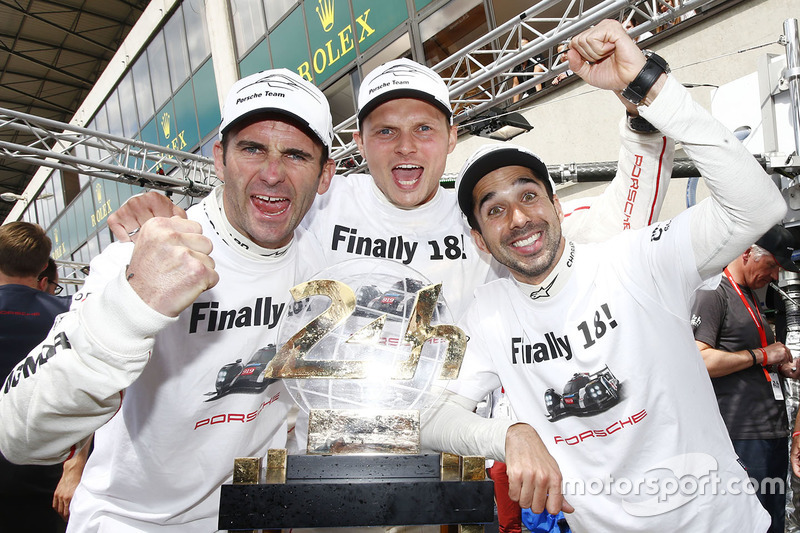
134, 232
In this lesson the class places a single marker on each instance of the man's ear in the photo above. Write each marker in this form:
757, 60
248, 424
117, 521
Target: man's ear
557, 205
452, 139
359, 143
42, 284
219, 165
328, 171
746, 255
479, 242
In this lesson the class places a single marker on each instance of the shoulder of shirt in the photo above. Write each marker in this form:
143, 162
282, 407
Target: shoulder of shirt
342, 182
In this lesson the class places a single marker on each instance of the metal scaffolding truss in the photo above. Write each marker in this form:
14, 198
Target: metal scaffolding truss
479, 77
74, 149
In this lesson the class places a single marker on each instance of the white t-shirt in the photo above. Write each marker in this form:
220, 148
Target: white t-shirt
160, 461
354, 219
605, 368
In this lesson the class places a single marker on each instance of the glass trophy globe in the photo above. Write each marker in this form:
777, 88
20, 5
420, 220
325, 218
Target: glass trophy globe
360, 347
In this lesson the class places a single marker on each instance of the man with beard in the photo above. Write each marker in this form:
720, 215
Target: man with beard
592, 343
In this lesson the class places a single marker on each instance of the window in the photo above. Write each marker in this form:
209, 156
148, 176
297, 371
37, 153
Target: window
159, 70
113, 114
127, 104
177, 52
455, 25
143, 89
248, 24
196, 33
276, 9
341, 97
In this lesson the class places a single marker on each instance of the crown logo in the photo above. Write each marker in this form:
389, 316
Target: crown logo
325, 14
98, 192
165, 125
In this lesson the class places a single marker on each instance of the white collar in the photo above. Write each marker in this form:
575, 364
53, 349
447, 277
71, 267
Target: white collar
215, 210
556, 280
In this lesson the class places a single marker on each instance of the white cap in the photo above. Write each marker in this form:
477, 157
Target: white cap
402, 78
489, 158
279, 91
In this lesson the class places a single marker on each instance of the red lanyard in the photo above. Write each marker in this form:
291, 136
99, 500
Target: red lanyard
756, 318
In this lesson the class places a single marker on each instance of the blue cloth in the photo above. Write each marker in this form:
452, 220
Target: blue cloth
26, 315
545, 522
767, 459
26, 492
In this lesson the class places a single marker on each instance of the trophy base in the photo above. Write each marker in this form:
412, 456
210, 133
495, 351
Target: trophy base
363, 431
359, 491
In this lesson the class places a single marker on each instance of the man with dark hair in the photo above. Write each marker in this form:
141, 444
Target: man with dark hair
744, 362
158, 320
48, 278
27, 313
592, 343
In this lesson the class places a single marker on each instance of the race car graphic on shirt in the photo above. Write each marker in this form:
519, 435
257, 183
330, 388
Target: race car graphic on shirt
238, 377
584, 394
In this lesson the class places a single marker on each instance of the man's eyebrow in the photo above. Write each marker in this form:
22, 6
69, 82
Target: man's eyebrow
246, 143
298, 151
486, 197
522, 180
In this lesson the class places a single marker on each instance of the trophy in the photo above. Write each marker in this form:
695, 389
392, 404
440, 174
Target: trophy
363, 349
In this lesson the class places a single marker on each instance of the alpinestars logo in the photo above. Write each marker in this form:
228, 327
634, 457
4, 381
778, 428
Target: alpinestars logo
659, 230
543, 292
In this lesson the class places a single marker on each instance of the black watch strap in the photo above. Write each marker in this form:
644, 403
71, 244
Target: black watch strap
639, 124
653, 68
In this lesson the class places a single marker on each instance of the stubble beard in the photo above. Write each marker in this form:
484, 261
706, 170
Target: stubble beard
532, 267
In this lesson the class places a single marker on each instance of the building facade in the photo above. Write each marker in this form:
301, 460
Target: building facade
166, 83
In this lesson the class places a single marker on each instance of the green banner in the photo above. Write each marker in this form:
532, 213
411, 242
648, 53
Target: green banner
376, 18
288, 45
256, 61
333, 34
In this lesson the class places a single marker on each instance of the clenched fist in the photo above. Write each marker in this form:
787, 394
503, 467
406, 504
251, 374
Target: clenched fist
171, 265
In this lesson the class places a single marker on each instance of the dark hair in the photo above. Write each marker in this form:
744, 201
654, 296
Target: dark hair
24, 249
50, 271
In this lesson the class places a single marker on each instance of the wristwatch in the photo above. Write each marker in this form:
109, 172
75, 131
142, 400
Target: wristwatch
653, 68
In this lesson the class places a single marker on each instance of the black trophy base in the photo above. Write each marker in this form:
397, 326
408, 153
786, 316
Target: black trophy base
357, 491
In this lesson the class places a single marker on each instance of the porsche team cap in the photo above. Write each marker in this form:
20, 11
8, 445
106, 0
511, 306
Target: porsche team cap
402, 78
488, 159
279, 91
779, 241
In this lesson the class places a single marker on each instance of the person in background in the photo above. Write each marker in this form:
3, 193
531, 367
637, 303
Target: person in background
27, 312
746, 364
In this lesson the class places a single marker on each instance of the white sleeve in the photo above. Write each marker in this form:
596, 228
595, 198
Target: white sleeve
634, 197
744, 202
452, 426
73, 382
